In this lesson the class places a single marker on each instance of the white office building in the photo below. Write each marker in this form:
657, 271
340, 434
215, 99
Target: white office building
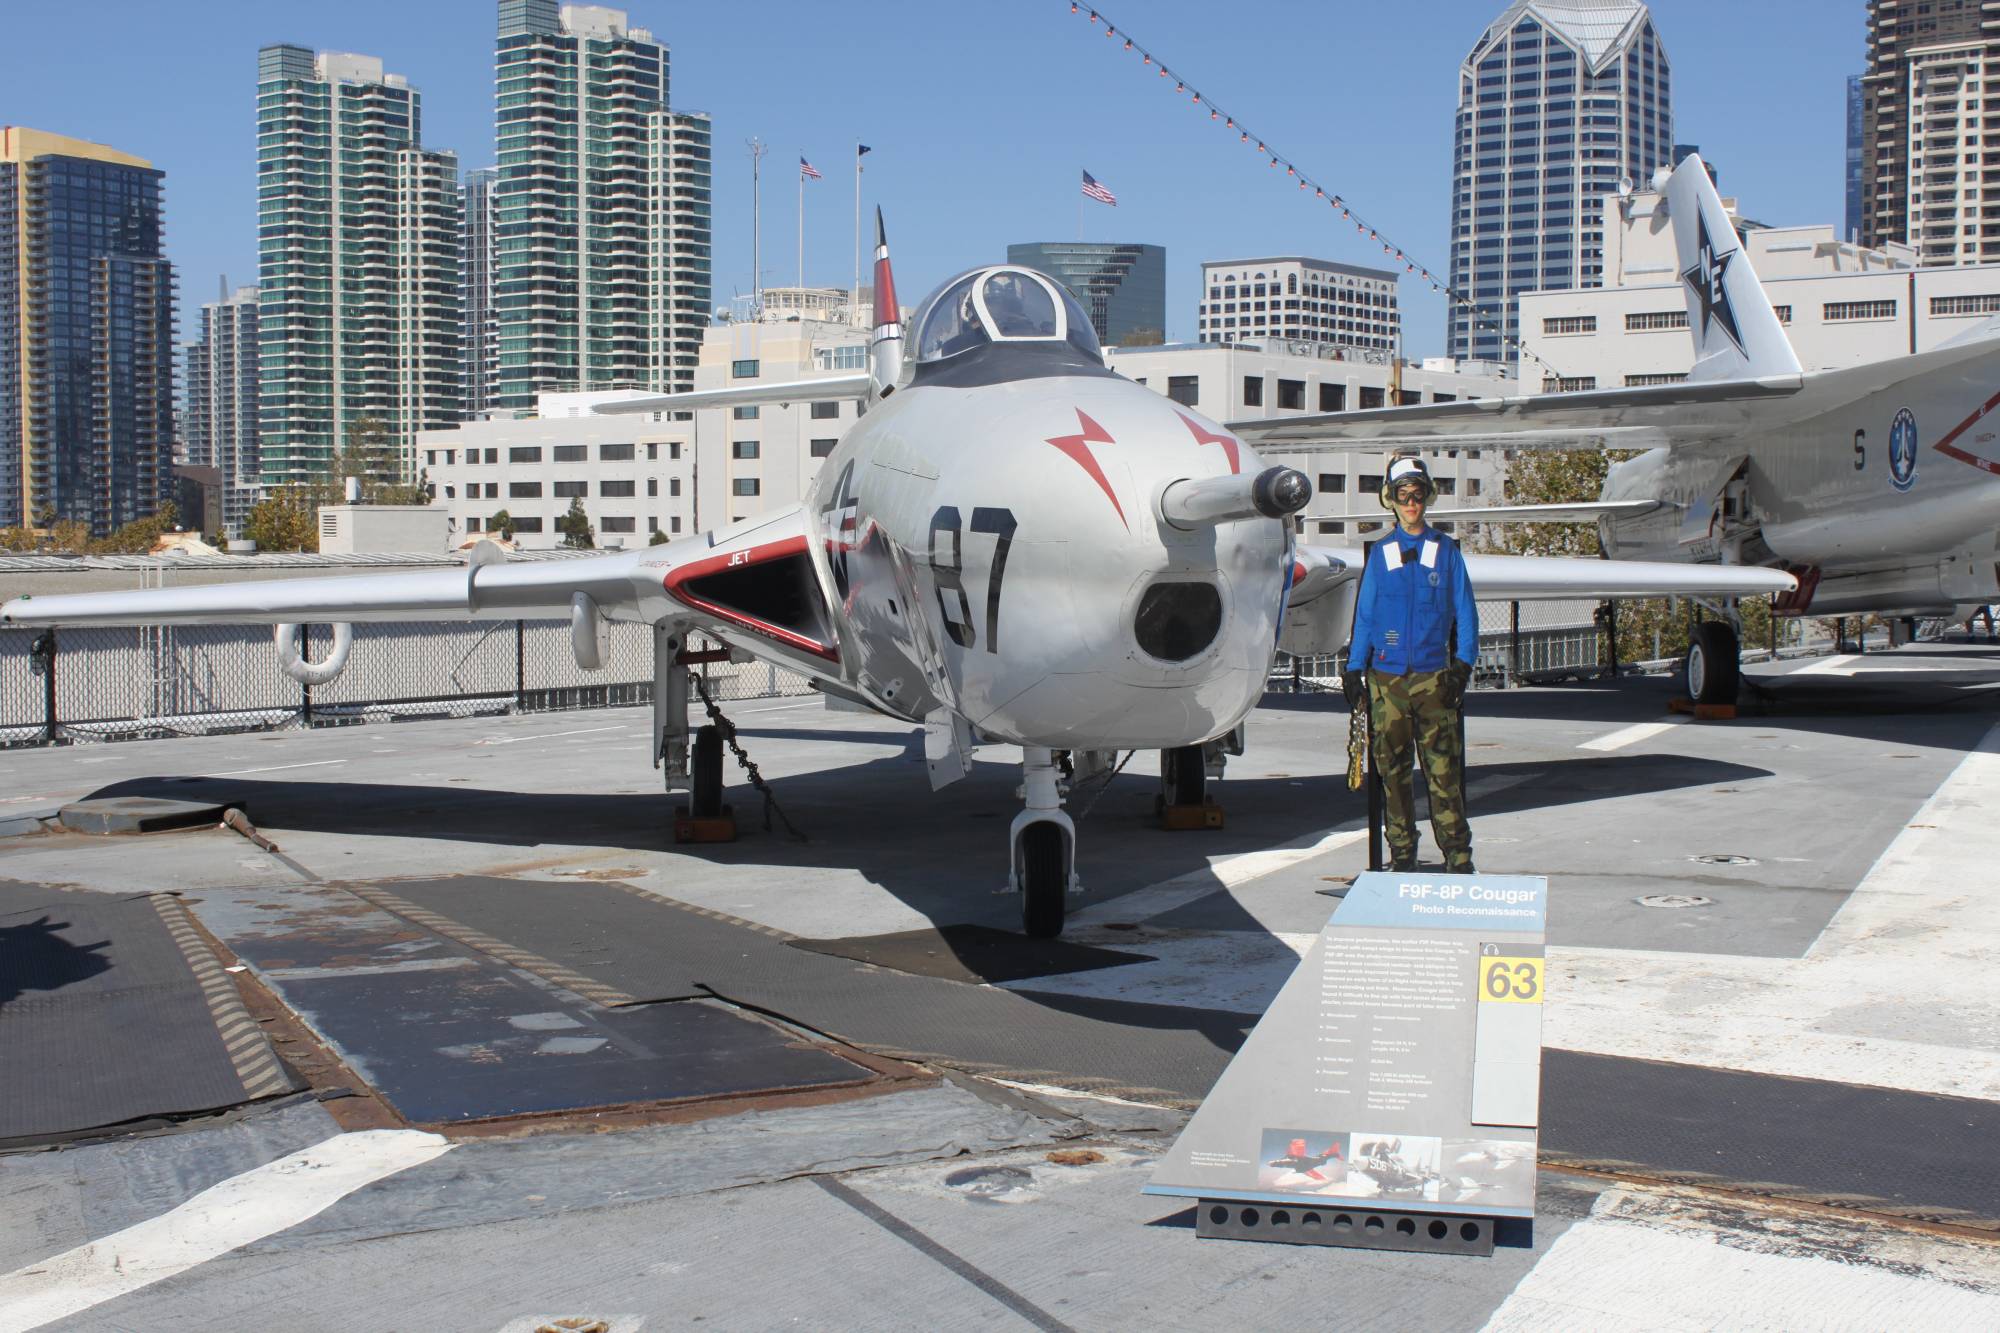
672, 473
757, 458
1840, 304
1239, 381
1312, 301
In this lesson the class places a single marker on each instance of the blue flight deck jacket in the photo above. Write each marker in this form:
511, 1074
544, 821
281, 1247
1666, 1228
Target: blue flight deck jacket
1414, 591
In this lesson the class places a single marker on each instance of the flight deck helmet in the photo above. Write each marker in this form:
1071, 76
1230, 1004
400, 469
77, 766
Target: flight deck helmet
1400, 471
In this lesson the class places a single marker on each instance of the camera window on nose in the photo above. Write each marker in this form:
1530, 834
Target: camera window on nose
1177, 621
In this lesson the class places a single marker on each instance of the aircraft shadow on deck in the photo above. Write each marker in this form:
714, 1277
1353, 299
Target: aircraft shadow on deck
950, 871
34, 956
1864, 706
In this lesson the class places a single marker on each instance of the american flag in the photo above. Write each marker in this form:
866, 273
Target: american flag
807, 171
1098, 192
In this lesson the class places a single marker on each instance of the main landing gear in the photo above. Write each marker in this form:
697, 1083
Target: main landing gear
691, 766
1713, 670
1043, 840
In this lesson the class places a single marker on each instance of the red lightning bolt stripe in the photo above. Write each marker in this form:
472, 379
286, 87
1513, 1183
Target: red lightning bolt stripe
1078, 448
1228, 442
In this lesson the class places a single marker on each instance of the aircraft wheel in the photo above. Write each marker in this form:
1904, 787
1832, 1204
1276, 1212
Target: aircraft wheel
705, 769
1186, 774
1713, 667
1044, 879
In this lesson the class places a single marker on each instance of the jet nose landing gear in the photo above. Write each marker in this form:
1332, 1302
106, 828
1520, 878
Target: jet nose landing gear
1043, 841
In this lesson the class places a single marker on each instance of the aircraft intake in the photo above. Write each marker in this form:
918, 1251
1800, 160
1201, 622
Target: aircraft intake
1277, 492
1178, 620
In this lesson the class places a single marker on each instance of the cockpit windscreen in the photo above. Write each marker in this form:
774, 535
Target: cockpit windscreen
1020, 307
952, 326
1002, 305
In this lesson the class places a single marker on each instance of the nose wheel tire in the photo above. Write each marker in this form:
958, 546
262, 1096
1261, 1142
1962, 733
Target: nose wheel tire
705, 773
1713, 670
1185, 774
1044, 879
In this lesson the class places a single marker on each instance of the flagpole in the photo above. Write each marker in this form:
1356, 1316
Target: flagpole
802, 235
756, 229
854, 307
1079, 208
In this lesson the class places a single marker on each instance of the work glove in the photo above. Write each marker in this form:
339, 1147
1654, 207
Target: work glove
1456, 677
1354, 684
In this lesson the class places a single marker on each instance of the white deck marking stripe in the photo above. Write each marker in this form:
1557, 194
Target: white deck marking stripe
1625, 736
1226, 873
1896, 992
1617, 1273
545, 736
274, 768
224, 1217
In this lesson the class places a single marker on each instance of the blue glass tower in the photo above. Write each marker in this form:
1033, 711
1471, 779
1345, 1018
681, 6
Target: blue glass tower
86, 334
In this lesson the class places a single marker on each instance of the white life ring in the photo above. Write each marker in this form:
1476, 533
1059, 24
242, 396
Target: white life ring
291, 661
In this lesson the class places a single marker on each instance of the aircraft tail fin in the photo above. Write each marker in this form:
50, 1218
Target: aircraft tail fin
1736, 333
885, 344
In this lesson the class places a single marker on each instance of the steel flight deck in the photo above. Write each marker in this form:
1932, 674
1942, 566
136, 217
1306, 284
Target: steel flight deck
487, 963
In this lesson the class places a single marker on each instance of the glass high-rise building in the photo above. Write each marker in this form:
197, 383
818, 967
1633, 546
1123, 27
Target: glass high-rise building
479, 340
1558, 101
1925, 179
358, 260
219, 424
1122, 287
601, 211
86, 334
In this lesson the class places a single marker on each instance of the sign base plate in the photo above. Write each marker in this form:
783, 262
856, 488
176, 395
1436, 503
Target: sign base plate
1291, 1223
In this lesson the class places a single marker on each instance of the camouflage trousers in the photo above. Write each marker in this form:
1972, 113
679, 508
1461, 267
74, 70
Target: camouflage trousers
1408, 713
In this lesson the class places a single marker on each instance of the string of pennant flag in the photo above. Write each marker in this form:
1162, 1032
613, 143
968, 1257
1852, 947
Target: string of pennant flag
1228, 121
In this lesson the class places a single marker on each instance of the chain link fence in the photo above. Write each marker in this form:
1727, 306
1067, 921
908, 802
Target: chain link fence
1547, 642
127, 683
133, 682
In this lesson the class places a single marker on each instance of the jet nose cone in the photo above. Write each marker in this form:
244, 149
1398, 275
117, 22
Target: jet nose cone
1281, 492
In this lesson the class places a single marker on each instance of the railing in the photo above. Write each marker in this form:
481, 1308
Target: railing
128, 683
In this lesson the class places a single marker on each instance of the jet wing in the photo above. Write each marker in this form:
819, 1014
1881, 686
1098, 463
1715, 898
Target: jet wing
1319, 611
1586, 511
753, 586
1641, 418
826, 387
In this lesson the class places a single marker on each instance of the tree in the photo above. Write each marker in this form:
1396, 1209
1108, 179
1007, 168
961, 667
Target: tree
286, 519
575, 527
658, 538
1143, 338
502, 525
138, 536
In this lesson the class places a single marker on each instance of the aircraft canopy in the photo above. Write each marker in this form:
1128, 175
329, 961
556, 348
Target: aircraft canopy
1001, 305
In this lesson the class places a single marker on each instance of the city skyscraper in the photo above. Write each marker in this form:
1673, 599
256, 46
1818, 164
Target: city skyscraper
1922, 170
601, 210
358, 268
86, 334
479, 340
219, 425
1123, 288
1857, 135
1558, 101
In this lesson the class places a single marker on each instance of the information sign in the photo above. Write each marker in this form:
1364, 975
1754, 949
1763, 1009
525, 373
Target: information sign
1399, 1068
